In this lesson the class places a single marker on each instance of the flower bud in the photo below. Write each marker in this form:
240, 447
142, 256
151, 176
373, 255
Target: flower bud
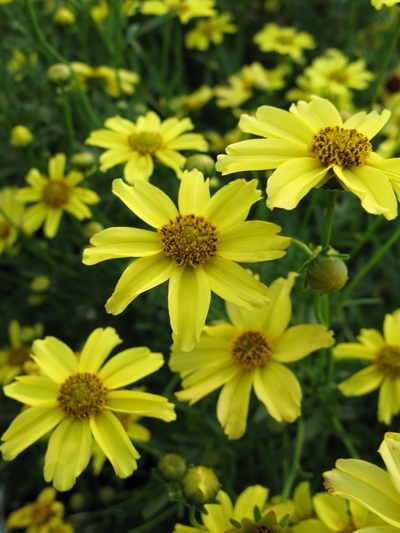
91, 228
83, 160
171, 467
201, 162
326, 274
199, 485
59, 74
40, 283
20, 137
63, 17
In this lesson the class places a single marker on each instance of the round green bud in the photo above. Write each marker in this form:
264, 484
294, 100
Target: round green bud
199, 485
40, 283
91, 228
63, 17
83, 160
171, 467
202, 162
326, 274
59, 74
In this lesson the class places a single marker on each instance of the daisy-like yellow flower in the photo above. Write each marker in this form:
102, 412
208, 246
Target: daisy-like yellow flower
185, 9
195, 247
308, 145
11, 216
378, 4
335, 515
115, 81
368, 485
218, 518
138, 144
76, 399
284, 41
12, 360
210, 30
249, 353
383, 354
42, 516
53, 195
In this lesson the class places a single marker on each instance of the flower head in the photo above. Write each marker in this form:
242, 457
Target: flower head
138, 144
383, 354
211, 29
194, 247
284, 41
249, 354
308, 145
115, 80
76, 399
378, 4
185, 9
53, 195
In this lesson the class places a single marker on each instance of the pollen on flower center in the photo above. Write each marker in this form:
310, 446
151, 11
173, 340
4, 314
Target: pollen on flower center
189, 240
56, 193
251, 349
388, 360
5, 229
82, 395
40, 513
145, 142
340, 146
18, 355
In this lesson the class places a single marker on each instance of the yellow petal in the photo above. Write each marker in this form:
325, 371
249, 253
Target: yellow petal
371, 338
391, 328
55, 358
170, 158
52, 222
194, 192
34, 218
141, 404
205, 380
369, 125
57, 166
362, 382
354, 350
219, 514
390, 452
97, 348
277, 314
299, 341
139, 167
279, 124
32, 390
387, 402
247, 500
115, 156
233, 404
331, 511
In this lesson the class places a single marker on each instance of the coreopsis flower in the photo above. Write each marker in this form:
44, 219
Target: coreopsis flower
100, 11
308, 145
13, 359
20, 137
378, 4
138, 144
370, 486
210, 30
219, 514
115, 80
248, 353
383, 355
11, 216
76, 398
53, 195
195, 247
284, 41
335, 515
42, 516
185, 103
185, 9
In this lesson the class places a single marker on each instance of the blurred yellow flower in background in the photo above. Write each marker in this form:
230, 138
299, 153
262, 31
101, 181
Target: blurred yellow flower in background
185, 9
249, 353
11, 217
138, 144
378, 4
115, 80
284, 41
20, 137
53, 195
212, 29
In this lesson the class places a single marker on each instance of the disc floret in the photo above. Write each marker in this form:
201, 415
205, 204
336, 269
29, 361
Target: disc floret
82, 395
251, 349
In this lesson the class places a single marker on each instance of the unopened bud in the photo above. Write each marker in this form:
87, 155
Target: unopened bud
171, 467
201, 162
91, 228
40, 283
59, 74
83, 160
326, 274
20, 137
63, 17
199, 485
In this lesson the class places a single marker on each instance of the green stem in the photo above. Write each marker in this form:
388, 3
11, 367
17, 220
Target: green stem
366, 236
330, 210
68, 121
298, 450
385, 63
150, 525
342, 434
366, 268
193, 520
165, 51
303, 247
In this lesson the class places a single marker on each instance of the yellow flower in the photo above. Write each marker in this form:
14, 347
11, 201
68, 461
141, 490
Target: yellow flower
54, 195
218, 518
100, 11
20, 137
11, 216
185, 103
212, 29
43, 516
13, 360
110, 77
284, 41
377, 4
383, 354
370, 486
302, 503
76, 399
335, 515
137, 144
249, 353
185, 9
194, 247
311, 144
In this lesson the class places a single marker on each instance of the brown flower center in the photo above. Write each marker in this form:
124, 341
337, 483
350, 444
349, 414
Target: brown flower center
145, 142
5, 229
56, 193
18, 355
251, 349
82, 395
340, 146
388, 361
189, 240
40, 513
